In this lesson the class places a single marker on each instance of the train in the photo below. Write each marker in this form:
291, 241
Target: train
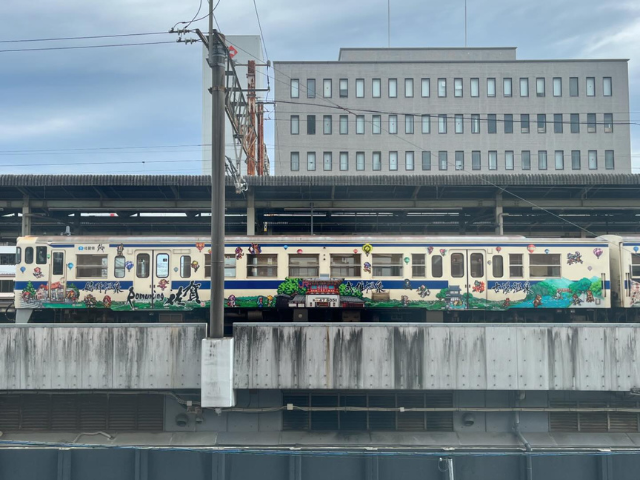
7, 278
323, 278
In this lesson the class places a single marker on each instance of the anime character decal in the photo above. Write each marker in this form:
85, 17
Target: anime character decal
239, 253
574, 258
255, 249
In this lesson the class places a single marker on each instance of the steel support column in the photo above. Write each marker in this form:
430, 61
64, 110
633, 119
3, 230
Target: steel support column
251, 213
26, 216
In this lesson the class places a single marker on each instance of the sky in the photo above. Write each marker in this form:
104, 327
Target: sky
138, 109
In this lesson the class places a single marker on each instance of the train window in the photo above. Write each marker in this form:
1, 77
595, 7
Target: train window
28, 255
457, 265
58, 263
544, 264
41, 255
498, 266
119, 266
516, 268
262, 265
229, 266
18, 255
143, 260
635, 266
207, 265
345, 266
436, 266
301, 265
185, 266
162, 265
476, 265
418, 265
91, 266
387, 265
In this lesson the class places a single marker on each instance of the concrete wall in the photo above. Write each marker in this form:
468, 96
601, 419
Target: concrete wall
426, 54
70, 357
577, 357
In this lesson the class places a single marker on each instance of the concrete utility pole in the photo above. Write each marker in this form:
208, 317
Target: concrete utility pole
217, 62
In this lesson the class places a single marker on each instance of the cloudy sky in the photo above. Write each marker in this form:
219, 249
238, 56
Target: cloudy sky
138, 109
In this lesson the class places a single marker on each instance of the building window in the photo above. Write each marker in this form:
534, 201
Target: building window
408, 87
409, 160
185, 266
344, 124
311, 88
387, 265
426, 160
327, 161
508, 123
360, 161
491, 123
376, 124
575, 159
408, 124
311, 124
542, 160
418, 265
524, 87
542, 123
457, 87
540, 87
459, 124
609, 163
476, 160
442, 123
591, 87
557, 86
475, 123
525, 158
376, 88
359, 124
575, 123
491, 87
457, 265
498, 266
443, 161
295, 124
393, 161
493, 160
359, 87
573, 87
295, 161
344, 88
436, 266
508, 160
559, 160
326, 88
303, 265
345, 266
97, 266
516, 267
263, 265
591, 123
524, 123
459, 162
475, 87
311, 161
344, 161
295, 88
393, 124
426, 123
426, 87
607, 89
377, 161
544, 265
557, 123
507, 89
327, 124
393, 87
593, 160
608, 123
442, 87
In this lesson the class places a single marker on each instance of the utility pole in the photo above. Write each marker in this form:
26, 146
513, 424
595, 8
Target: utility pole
217, 62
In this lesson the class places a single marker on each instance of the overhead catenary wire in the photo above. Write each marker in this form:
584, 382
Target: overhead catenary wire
86, 37
83, 47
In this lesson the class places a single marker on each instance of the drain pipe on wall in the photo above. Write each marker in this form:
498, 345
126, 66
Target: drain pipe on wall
527, 445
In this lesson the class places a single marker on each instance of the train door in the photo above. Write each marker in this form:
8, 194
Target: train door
469, 278
152, 277
57, 276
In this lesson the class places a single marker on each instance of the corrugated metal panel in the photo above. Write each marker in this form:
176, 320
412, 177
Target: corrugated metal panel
439, 421
592, 422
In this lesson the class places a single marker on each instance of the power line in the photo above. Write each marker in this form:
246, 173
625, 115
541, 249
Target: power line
92, 37
80, 47
264, 44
